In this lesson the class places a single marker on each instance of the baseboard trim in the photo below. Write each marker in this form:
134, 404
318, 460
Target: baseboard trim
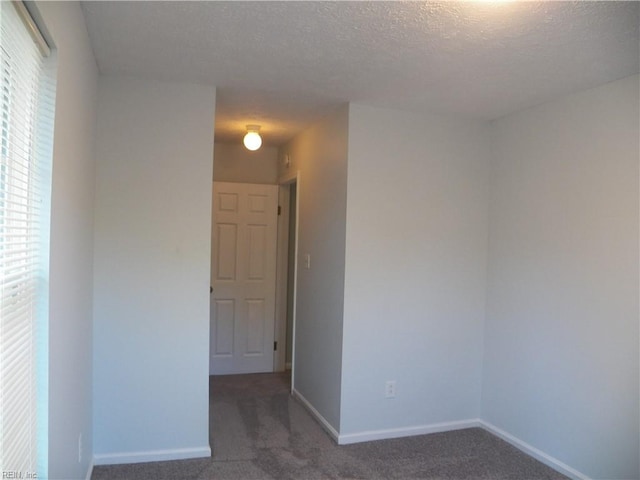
371, 435
89, 471
323, 421
382, 434
389, 433
534, 452
151, 456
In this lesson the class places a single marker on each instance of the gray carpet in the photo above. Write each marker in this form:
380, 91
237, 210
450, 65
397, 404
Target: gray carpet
258, 431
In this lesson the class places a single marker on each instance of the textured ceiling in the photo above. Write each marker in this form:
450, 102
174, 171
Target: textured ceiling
284, 64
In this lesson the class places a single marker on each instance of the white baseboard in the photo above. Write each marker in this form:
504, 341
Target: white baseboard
367, 436
89, 471
389, 433
382, 434
151, 456
323, 421
534, 452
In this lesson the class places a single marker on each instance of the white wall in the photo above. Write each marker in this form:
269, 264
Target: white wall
320, 155
71, 254
561, 351
234, 163
416, 250
152, 251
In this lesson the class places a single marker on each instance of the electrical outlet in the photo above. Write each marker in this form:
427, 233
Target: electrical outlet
80, 448
307, 261
390, 389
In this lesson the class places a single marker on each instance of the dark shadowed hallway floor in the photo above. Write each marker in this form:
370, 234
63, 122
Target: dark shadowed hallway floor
258, 431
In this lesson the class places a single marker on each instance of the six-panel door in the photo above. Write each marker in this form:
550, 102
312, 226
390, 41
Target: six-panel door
243, 275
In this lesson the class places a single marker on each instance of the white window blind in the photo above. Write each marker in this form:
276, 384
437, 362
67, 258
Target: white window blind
24, 217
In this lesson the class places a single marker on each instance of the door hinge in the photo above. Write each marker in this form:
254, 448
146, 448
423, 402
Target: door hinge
279, 209
275, 346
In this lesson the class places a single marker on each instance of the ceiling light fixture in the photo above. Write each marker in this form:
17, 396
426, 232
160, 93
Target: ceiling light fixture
252, 139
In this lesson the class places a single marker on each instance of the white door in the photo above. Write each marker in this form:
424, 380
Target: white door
243, 277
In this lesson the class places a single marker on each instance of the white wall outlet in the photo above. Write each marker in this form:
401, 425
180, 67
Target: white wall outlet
390, 389
307, 261
80, 448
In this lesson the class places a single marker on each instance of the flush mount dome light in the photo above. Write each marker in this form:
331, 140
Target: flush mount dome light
252, 139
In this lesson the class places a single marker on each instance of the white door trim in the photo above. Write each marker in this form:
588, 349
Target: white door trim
282, 286
280, 333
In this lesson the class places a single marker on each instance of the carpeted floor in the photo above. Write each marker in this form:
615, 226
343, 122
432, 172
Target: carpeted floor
258, 431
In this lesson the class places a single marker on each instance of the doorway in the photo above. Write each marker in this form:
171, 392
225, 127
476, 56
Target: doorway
286, 282
273, 330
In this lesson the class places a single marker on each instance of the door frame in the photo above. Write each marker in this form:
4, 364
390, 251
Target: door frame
282, 281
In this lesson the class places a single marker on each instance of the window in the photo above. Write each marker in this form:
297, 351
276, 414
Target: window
26, 108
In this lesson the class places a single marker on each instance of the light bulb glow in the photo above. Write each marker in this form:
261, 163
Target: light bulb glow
252, 139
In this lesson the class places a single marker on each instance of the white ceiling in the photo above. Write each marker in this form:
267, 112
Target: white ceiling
284, 64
